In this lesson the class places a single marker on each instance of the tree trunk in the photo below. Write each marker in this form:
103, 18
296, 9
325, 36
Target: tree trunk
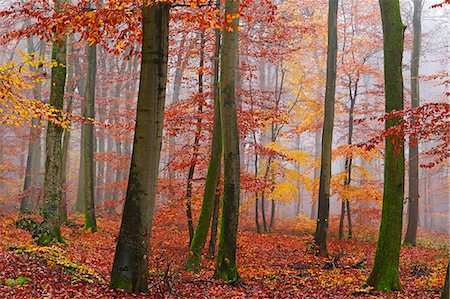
29, 201
214, 224
314, 204
196, 140
385, 273
179, 71
226, 268
52, 181
81, 86
327, 133
66, 134
413, 186
130, 268
348, 163
212, 176
89, 141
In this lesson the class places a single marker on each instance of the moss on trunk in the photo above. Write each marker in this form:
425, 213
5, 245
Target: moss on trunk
385, 273
52, 180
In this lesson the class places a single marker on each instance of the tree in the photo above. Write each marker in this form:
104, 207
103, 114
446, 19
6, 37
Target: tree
413, 186
385, 272
89, 142
52, 181
32, 178
226, 267
213, 174
327, 132
130, 268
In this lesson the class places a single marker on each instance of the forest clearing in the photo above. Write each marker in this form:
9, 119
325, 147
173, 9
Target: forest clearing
224, 149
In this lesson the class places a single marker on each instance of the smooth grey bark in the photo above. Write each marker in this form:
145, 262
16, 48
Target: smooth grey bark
413, 186
321, 234
33, 164
89, 173
81, 87
130, 268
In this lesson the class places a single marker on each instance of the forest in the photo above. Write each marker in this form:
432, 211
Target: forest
224, 148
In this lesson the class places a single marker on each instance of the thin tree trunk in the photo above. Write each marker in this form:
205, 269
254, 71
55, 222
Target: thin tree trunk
327, 133
66, 135
196, 141
385, 272
52, 181
211, 202
314, 204
130, 268
179, 71
413, 186
348, 162
81, 86
29, 201
226, 267
89, 141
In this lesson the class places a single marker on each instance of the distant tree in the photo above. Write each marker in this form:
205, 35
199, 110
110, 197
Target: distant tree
413, 186
385, 272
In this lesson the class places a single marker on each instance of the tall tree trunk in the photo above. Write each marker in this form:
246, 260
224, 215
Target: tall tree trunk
130, 268
66, 134
89, 140
348, 163
327, 133
258, 227
385, 273
413, 186
81, 86
52, 181
212, 175
196, 140
29, 201
226, 267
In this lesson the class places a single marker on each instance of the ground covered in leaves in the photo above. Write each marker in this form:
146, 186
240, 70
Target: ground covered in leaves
281, 264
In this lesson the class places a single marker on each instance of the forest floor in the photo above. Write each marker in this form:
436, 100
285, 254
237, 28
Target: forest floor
280, 264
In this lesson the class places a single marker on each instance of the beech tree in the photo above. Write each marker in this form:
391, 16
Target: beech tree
226, 267
52, 181
130, 268
385, 272
214, 171
413, 186
320, 237
89, 142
